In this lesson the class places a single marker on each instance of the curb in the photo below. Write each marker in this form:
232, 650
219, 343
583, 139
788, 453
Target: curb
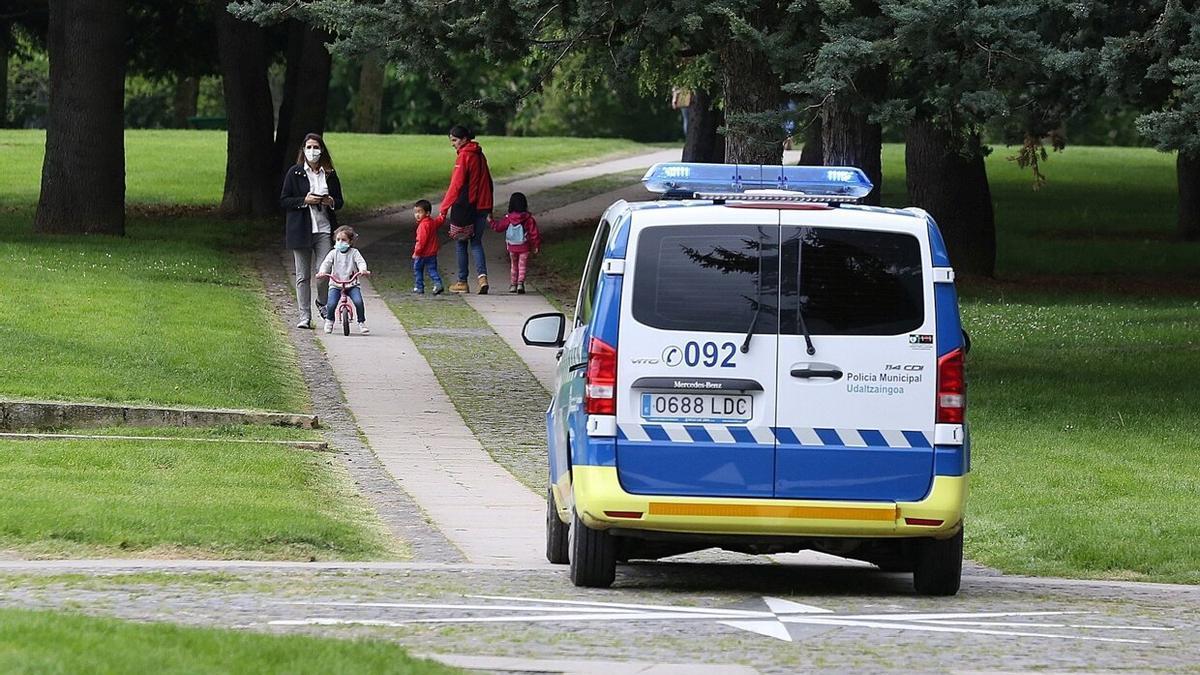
301, 445
20, 415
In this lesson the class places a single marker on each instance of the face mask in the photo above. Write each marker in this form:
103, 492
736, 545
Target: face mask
313, 154
343, 246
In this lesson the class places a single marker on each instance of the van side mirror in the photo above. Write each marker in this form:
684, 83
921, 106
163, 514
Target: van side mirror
545, 330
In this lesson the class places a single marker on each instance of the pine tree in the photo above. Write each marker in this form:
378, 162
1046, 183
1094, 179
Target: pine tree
1158, 64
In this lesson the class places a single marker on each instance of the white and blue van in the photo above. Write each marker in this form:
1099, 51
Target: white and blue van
756, 363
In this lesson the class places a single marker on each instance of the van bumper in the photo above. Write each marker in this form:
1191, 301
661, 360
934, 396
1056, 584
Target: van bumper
602, 504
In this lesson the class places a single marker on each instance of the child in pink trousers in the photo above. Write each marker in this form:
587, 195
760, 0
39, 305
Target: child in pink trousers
521, 236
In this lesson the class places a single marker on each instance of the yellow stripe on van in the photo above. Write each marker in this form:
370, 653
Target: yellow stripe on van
765, 511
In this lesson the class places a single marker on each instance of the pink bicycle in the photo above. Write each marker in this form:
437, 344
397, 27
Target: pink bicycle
344, 311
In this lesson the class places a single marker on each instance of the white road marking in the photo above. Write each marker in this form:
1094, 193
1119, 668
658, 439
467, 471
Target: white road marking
771, 623
781, 606
623, 605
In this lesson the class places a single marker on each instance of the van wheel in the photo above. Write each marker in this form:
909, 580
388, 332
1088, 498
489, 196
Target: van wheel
557, 533
937, 565
593, 556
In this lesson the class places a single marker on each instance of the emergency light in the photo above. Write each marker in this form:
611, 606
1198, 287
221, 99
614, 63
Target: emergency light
759, 182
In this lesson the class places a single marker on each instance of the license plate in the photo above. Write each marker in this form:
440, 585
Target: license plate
702, 408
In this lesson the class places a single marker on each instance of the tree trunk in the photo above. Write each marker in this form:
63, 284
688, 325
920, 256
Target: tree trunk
251, 178
5, 50
849, 138
368, 102
947, 178
83, 175
1187, 172
305, 92
703, 142
754, 132
813, 153
187, 93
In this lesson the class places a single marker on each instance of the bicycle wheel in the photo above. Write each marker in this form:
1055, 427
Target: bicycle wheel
346, 322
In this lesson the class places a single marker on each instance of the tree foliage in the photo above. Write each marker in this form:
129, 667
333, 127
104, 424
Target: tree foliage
1159, 63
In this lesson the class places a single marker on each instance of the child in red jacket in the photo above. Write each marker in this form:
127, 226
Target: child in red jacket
426, 249
521, 236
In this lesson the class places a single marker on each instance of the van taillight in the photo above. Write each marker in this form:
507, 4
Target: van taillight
952, 389
600, 383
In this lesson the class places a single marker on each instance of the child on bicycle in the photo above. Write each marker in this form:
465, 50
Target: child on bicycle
520, 236
343, 262
426, 248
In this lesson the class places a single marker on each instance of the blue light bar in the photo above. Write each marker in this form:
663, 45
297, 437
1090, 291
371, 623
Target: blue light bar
838, 183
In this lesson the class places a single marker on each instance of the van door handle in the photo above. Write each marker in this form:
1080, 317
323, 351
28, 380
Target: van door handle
823, 370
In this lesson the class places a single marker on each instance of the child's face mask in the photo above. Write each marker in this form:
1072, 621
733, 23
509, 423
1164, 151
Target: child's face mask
342, 246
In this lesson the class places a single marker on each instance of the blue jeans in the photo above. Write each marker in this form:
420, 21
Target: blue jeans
335, 296
476, 243
429, 262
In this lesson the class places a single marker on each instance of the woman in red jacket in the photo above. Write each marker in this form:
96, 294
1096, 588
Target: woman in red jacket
470, 193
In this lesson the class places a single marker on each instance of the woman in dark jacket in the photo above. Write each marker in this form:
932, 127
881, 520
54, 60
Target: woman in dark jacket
311, 197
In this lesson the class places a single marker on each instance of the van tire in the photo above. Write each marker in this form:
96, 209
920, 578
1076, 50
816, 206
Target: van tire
593, 556
558, 533
937, 565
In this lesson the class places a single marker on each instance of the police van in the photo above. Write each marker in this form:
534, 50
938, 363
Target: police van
759, 364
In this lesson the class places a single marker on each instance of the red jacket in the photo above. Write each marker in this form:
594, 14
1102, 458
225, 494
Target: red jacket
427, 237
533, 238
478, 183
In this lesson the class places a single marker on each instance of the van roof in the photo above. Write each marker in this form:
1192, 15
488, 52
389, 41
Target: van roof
912, 220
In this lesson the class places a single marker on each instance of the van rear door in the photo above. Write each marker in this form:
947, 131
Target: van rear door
855, 418
694, 412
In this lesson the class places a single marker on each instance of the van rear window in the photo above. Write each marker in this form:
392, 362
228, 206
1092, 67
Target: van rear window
850, 282
706, 278
712, 278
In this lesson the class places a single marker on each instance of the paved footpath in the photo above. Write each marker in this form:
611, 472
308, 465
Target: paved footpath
422, 441
414, 429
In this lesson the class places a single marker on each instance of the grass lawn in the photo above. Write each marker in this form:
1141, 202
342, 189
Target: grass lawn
174, 313
181, 499
57, 642
171, 313
1082, 405
164, 315
1083, 417
188, 167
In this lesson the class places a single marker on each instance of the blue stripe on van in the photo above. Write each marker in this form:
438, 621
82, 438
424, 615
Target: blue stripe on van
740, 435
917, 439
829, 437
786, 436
873, 438
656, 432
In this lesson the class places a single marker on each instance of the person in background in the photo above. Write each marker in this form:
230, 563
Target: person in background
425, 250
521, 236
680, 100
468, 204
311, 197
343, 262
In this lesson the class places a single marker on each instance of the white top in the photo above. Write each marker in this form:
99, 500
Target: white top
344, 265
317, 185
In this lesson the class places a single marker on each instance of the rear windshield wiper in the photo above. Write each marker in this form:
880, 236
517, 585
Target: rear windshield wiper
757, 296
804, 328
800, 298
